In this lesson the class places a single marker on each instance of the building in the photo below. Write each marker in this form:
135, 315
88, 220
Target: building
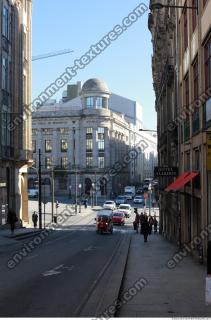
182, 83
87, 140
15, 95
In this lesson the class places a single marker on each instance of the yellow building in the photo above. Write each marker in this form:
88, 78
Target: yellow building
15, 97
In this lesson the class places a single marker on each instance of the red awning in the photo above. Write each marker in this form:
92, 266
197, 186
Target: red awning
182, 180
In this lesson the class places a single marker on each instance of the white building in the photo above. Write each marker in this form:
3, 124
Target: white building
89, 142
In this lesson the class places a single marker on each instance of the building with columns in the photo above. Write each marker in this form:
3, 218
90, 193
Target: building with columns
89, 142
15, 97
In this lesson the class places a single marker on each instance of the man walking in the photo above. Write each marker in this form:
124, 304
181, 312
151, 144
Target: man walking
12, 219
35, 219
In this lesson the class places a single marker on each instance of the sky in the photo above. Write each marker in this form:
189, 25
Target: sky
125, 65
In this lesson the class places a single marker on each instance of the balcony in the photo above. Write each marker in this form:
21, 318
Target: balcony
25, 155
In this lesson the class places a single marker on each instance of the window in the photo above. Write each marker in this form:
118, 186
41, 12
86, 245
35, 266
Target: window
64, 162
196, 79
89, 145
194, 14
48, 145
5, 73
101, 162
63, 130
46, 131
99, 102
101, 141
89, 161
89, 133
64, 146
208, 64
48, 163
5, 23
34, 146
34, 163
90, 102
195, 116
185, 28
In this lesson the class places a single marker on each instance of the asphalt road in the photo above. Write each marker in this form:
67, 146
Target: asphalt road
57, 278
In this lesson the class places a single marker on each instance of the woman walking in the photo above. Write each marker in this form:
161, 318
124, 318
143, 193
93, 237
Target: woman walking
145, 228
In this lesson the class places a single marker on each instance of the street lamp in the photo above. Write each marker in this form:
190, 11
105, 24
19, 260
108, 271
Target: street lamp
148, 130
93, 185
158, 6
80, 186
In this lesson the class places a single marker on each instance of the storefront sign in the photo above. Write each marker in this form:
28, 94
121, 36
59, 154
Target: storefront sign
209, 151
3, 185
165, 172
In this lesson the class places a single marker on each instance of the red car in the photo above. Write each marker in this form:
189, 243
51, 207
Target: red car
118, 218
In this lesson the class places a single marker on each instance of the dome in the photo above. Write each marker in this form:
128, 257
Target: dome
95, 86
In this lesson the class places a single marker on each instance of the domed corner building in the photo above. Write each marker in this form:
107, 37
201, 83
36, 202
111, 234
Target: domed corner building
95, 94
89, 135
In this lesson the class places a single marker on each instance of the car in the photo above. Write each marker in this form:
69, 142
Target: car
118, 217
126, 209
120, 200
139, 199
109, 204
33, 193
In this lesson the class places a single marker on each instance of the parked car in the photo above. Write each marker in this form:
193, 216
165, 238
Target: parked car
120, 200
126, 209
109, 204
33, 193
139, 199
118, 217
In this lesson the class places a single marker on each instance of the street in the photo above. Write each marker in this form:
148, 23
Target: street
55, 278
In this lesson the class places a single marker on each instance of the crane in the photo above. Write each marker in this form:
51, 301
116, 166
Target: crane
51, 54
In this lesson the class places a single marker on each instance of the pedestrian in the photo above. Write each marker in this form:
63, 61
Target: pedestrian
35, 219
141, 219
12, 219
85, 203
151, 222
155, 222
136, 222
135, 210
145, 228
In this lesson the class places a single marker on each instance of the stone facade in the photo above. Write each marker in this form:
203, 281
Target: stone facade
91, 143
182, 80
15, 119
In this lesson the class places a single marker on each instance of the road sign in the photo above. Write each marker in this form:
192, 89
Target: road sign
165, 172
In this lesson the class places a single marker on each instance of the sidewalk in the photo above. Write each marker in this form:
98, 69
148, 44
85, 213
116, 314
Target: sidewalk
179, 291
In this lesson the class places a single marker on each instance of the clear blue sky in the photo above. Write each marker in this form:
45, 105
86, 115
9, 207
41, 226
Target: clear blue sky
125, 65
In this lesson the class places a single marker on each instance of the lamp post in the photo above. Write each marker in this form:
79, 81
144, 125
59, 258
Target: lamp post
40, 191
158, 6
150, 196
80, 186
147, 130
93, 185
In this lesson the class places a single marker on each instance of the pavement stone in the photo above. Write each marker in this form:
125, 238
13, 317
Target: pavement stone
170, 292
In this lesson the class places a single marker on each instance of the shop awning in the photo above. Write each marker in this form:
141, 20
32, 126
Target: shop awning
181, 181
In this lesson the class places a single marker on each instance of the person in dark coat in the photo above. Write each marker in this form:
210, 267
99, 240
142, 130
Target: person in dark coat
155, 222
136, 222
141, 219
145, 228
35, 219
12, 219
151, 222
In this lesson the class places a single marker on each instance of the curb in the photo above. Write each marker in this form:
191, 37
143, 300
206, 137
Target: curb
108, 287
